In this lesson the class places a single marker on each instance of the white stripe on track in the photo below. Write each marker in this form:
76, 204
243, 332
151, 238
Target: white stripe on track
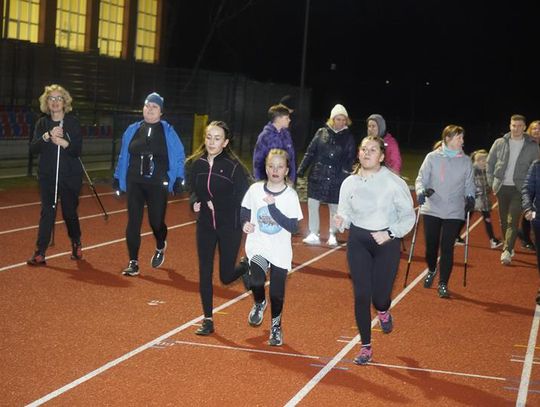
161, 338
529, 358
39, 202
110, 242
96, 215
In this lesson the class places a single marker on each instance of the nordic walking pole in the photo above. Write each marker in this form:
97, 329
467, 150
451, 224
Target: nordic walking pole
466, 250
93, 188
411, 249
55, 203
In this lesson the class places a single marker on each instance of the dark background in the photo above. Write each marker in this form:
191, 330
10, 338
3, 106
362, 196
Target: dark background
466, 62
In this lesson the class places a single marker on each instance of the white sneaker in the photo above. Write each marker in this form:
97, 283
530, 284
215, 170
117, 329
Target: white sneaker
494, 243
312, 238
506, 258
332, 241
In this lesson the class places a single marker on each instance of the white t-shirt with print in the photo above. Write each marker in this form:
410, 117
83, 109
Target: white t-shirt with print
269, 239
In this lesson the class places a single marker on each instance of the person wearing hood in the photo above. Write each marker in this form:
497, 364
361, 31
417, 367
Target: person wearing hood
445, 191
150, 165
275, 134
330, 157
376, 126
508, 161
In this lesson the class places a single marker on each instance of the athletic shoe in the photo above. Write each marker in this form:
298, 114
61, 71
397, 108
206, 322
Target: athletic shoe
276, 335
459, 241
443, 291
528, 246
76, 251
206, 328
365, 356
494, 243
312, 238
428, 281
538, 297
385, 319
506, 257
244, 264
256, 314
159, 257
332, 241
132, 269
37, 259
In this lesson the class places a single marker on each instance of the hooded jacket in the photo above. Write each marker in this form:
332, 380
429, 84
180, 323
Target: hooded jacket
392, 156
268, 139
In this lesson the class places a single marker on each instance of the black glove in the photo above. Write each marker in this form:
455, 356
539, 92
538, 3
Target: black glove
178, 186
428, 192
469, 204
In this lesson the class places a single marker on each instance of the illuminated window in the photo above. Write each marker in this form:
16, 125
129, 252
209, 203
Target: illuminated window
111, 20
21, 17
145, 47
71, 24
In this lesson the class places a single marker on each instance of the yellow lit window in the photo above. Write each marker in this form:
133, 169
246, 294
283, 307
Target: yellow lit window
145, 47
111, 20
71, 24
21, 17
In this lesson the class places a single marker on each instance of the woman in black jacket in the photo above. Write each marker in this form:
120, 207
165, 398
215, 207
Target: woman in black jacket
330, 155
530, 194
218, 182
57, 138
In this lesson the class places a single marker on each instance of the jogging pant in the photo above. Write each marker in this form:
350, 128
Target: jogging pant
373, 269
69, 189
443, 233
228, 242
155, 197
314, 216
510, 211
486, 215
278, 277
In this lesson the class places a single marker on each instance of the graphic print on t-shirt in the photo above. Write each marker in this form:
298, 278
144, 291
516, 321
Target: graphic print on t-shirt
267, 224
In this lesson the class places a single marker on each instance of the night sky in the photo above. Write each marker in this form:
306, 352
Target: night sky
466, 62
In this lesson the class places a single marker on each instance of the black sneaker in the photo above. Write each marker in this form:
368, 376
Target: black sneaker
276, 335
37, 259
256, 314
76, 251
538, 297
206, 328
132, 269
159, 257
443, 291
428, 281
459, 241
528, 246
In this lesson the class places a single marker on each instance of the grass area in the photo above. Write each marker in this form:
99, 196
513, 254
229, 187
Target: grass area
411, 162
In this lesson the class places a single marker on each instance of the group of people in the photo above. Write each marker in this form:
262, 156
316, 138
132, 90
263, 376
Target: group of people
362, 188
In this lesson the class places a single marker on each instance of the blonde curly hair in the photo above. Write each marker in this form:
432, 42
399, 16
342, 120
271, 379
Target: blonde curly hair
47, 91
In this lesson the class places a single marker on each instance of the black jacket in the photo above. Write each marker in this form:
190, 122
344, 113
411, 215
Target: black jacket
69, 157
225, 184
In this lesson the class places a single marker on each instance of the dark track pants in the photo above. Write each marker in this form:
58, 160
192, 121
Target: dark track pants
373, 270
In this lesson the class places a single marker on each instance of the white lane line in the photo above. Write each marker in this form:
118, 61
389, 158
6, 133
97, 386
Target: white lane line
161, 338
529, 357
108, 243
96, 215
39, 202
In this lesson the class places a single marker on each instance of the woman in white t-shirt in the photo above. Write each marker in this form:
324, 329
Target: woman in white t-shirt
270, 214
376, 206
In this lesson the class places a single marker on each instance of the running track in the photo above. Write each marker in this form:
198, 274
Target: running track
79, 333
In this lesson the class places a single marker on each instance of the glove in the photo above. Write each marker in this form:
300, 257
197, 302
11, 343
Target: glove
178, 186
469, 204
426, 193
116, 186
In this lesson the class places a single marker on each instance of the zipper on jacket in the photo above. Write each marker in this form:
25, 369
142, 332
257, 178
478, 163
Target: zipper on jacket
211, 195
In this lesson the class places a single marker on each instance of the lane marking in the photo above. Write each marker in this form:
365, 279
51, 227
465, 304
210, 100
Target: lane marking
161, 338
96, 215
39, 202
110, 242
528, 363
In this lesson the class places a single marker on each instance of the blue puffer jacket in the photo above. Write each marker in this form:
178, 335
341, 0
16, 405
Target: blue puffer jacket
175, 151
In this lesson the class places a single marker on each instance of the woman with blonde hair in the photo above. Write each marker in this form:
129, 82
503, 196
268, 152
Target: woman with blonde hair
57, 138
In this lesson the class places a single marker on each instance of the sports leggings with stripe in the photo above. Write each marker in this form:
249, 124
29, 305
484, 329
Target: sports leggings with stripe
278, 277
373, 270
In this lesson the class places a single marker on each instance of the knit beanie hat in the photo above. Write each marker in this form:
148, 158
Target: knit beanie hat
337, 110
155, 98
380, 123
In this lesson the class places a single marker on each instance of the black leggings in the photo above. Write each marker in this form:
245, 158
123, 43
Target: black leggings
373, 270
228, 241
486, 215
155, 197
443, 233
69, 189
278, 276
